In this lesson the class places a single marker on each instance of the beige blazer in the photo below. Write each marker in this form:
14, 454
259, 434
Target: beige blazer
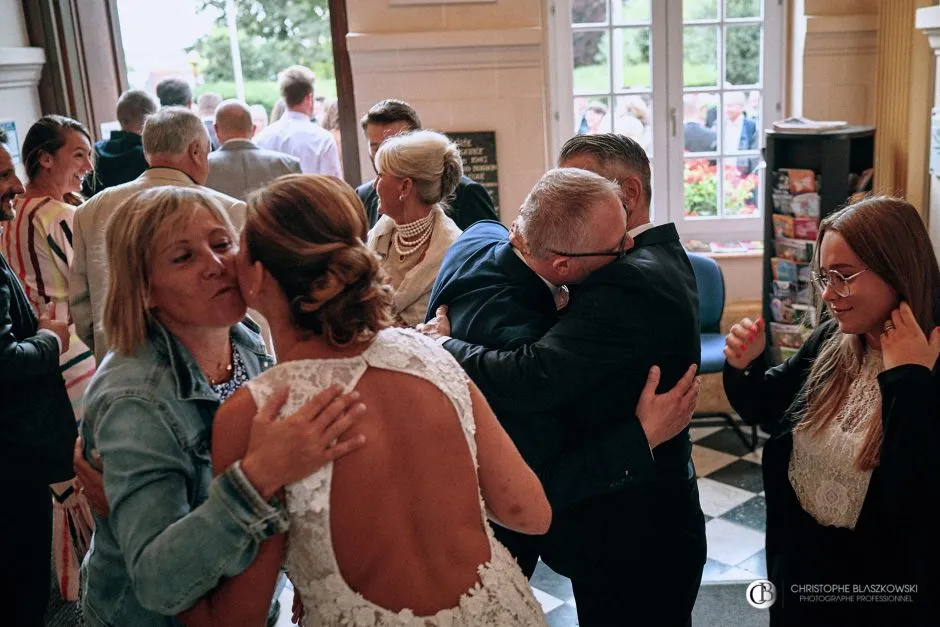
411, 299
88, 277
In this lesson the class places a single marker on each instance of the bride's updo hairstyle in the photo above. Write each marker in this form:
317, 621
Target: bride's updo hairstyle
308, 231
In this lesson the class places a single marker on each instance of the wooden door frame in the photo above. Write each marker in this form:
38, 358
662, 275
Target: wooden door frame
345, 94
73, 83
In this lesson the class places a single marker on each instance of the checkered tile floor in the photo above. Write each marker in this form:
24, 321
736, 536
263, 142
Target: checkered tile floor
731, 491
732, 496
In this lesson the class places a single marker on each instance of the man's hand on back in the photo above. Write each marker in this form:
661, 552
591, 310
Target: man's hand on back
664, 416
437, 327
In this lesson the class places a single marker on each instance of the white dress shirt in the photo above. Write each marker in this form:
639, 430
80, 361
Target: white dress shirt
640, 229
294, 134
732, 135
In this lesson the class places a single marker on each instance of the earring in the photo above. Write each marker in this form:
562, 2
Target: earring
401, 198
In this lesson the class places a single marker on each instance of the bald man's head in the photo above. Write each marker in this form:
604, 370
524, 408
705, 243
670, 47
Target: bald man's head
233, 121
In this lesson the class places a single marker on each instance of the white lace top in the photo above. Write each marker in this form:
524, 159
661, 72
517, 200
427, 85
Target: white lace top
502, 596
822, 466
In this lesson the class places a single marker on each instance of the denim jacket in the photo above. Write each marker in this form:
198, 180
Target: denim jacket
173, 531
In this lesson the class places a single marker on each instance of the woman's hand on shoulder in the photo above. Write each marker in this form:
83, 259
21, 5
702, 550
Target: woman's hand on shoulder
906, 342
281, 452
744, 343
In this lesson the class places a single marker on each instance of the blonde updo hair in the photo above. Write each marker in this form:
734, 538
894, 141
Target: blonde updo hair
429, 159
308, 231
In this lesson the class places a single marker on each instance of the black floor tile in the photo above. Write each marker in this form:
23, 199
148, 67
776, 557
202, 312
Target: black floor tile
726, 441
757, 564
752, 513
547, 580
563, 616
740, 474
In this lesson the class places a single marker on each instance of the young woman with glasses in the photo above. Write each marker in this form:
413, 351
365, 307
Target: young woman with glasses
854, 419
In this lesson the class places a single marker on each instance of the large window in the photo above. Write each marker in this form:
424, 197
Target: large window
694, 81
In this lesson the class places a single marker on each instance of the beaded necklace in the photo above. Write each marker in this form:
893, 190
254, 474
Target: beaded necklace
409, 238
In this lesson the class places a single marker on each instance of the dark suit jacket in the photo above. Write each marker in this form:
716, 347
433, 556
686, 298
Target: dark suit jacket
118, 159
631, 314
895, 537
698, 138
37, 426
495, 299
471, 203
748, 135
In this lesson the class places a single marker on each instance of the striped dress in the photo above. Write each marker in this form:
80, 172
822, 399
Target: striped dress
38, 247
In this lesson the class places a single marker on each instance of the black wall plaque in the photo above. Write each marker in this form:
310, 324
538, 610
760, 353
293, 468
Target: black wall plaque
478, 150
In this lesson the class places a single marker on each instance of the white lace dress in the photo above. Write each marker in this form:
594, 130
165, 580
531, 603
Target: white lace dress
502, 596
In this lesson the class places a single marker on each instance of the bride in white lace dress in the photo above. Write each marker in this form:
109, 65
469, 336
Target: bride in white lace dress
396, 533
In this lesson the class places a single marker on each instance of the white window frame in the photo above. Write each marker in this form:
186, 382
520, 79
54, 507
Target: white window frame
667, 124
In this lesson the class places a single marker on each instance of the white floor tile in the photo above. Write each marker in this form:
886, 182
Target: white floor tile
730, 543
547, 601
755, 456
717, 497
697, 433
737, 574
287, 600
708, 460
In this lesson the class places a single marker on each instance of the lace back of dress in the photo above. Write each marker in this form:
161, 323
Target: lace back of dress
502, 597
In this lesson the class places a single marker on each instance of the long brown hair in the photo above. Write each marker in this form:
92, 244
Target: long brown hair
48, 135
889, 237
309, 232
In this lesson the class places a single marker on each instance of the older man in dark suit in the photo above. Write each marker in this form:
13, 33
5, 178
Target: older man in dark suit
37, 431
628, 528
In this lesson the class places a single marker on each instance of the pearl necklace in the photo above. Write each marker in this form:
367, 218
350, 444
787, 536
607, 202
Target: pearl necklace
409, 238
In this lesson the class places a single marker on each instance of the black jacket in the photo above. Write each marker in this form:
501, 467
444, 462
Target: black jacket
895, 538
118, 159
37, 425
471, 203
610, 493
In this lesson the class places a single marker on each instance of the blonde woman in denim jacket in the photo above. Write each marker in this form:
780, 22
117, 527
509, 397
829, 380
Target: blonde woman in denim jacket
174, 319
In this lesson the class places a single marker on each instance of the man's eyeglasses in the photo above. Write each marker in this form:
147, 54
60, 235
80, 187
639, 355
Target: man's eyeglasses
835, 279
620, 252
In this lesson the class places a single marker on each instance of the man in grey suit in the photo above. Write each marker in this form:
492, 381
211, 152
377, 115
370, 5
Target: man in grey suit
240, 166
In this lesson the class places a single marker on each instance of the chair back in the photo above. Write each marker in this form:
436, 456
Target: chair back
711, 292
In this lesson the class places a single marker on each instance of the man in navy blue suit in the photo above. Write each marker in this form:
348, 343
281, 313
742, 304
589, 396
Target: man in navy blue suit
627, 526
499, 294
740, 131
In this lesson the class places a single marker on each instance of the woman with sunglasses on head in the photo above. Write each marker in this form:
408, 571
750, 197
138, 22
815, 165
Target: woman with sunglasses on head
854, 420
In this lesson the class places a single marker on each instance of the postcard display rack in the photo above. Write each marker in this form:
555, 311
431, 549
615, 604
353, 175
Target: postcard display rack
809, 176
